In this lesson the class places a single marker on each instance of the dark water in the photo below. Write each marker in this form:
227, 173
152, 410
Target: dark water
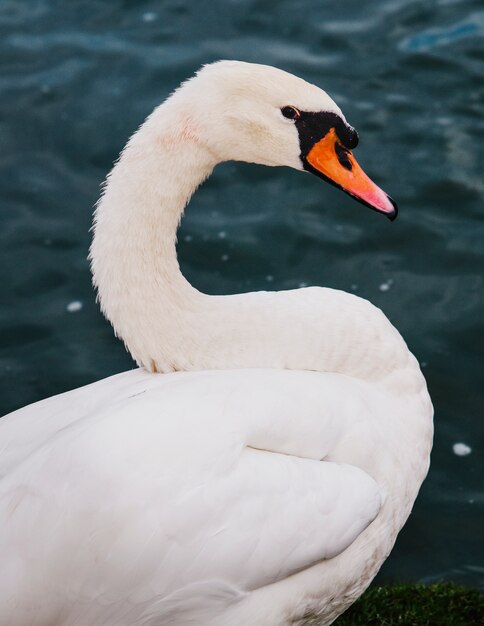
78, 77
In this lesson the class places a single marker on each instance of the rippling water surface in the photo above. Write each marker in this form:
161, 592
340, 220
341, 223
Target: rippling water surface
78, 77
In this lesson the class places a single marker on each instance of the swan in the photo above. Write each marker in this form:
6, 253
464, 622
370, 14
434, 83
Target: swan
259, 464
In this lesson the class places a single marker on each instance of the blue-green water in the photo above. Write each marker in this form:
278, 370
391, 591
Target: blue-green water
78, 77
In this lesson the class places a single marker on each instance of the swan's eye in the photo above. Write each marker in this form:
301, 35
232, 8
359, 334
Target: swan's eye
291, 113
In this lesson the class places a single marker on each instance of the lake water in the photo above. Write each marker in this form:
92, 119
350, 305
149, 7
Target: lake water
78, 77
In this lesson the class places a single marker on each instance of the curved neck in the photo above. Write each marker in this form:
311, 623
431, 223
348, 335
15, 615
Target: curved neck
133, 253
168, 325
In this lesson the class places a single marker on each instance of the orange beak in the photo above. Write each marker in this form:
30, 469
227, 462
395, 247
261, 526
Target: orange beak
336, 164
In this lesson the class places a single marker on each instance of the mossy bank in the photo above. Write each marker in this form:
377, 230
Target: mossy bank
443, 604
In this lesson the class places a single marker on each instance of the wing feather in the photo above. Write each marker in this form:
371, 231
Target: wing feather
206, 478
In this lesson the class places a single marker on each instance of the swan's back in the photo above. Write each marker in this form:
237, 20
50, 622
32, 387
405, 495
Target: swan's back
250, 502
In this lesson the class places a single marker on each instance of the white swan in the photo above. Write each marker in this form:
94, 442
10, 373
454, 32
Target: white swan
231, 496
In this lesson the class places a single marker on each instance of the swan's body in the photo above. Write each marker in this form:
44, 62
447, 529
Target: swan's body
225, 497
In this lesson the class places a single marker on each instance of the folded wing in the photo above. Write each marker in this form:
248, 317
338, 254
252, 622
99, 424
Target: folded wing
210, 479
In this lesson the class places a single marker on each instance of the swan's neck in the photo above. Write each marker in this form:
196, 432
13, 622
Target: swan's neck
168, 325
133, 253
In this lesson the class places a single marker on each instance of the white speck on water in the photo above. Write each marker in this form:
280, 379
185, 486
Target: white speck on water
149, 16
461, 449
354, 287
423, 364
444, 121
302, 285
222, 234
225, 257
386, 286
398, 98
269, 278
188, 238
365, 106
74, 306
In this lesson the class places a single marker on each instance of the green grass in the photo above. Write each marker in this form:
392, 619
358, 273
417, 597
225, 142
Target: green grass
444, 604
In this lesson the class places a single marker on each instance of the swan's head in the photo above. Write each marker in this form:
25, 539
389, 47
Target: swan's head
260, 114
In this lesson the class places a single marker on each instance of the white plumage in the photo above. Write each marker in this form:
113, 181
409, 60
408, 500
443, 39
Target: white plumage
221, 497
